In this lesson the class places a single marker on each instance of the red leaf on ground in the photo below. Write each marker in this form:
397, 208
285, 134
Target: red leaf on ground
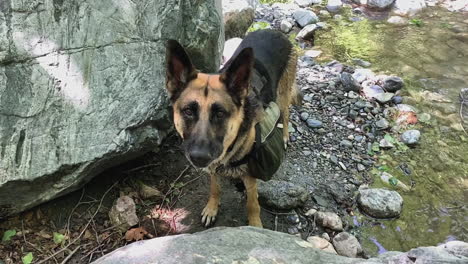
135, 234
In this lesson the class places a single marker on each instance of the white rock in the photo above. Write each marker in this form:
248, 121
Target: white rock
408, 7
307, 32
334, 5
397, 20
286, 26
361, 75
380, 4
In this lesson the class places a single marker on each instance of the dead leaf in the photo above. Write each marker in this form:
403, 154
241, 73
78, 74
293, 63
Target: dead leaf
407, 117
87, 234
135, 234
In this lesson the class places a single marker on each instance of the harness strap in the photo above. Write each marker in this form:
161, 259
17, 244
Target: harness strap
253, 152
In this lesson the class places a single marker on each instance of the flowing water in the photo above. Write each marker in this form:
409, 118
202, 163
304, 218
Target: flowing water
431, 54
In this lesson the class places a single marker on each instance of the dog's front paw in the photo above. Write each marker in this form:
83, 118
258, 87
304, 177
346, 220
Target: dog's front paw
209, 214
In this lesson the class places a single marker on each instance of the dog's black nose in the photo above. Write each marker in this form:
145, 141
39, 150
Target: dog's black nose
200, 158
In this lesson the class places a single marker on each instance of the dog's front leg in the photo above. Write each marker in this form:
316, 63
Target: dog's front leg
211, 208
253, 208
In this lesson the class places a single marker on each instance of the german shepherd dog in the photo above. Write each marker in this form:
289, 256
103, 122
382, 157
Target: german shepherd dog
215, 114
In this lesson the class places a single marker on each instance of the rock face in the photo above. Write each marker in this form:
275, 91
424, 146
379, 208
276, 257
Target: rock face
253, 245
76, 98
238, 16
380, 203
224, 245
281, 195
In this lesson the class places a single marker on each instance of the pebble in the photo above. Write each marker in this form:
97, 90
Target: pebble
325, 236
305, 17
329, 220
286, 26
347, 245
397, 20
382, 124
411, 137
307, 33
314, 123
384, 98
346, 143
393, 84
397, 99
383, 143
380, 203
310, 212
334, 6
361, 167
321, 243
304, 116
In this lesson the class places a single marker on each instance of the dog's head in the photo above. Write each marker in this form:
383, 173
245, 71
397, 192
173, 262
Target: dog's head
208, 108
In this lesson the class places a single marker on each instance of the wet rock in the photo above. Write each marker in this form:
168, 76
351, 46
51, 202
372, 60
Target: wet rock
349, 83
286, 26
380, 203
361, 62
397, 20
456, 248
360, 75
397, 99
408, 7
305, 17
307, 33
411, 137
314, 123
123, 213
382, 124
334, 6
321, 243
380, 4
281, 195
384, 98
393, 84
372, 91
329, 220
347, 245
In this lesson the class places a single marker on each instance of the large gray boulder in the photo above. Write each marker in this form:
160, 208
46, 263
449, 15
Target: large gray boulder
238, 16
82, 86
253, 245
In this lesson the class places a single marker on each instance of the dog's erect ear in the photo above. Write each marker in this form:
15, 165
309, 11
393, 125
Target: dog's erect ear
179, 69
237, 75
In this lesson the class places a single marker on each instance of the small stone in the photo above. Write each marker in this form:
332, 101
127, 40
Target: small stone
310, 212
324, 13
353, 114
304, 116
349, 83
329, 220
346, 143
380, 203
347, 245
304, 3
384, 98
325, 236
334, 159
307, 33
397, 99
382, 124
281, 195
353, 95
313, 123
334, 6
313, 53
305, 17
411, 137
380, 4
123, 213
306, 152
393, 84
286, 26
371, 91
293, 219
397, 20
361, 167
358, 138
361, 62
321, 243
385, 144
337, 17
360, 75
293, 230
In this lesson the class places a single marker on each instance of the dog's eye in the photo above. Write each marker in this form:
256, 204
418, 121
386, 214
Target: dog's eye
188, 112
220, 114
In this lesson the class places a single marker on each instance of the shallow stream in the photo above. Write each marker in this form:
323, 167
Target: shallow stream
431, 54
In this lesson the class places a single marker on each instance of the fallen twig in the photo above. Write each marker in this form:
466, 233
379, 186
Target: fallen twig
173, 183
84, 229
70, 255
72, 211
143, 167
